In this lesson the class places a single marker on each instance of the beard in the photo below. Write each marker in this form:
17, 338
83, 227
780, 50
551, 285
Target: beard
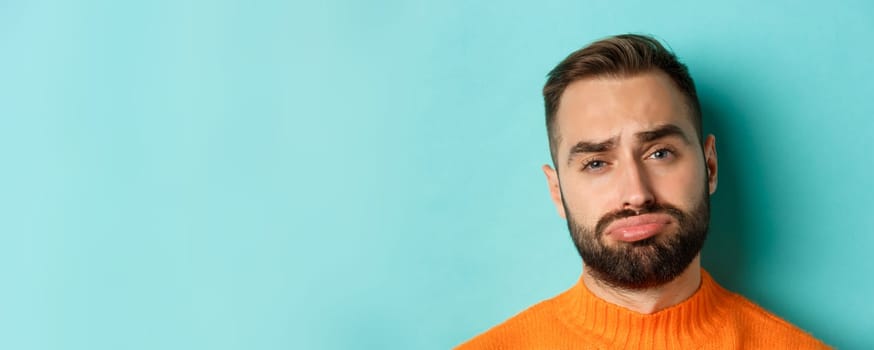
647, 263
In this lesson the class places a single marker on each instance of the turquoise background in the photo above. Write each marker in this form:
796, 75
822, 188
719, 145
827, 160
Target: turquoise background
350, 174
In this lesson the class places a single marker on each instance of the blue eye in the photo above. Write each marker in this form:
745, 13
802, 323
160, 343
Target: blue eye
595, 165
661, 154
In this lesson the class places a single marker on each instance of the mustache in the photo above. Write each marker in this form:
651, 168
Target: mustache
663, 208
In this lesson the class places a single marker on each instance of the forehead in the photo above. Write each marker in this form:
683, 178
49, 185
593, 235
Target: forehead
599, 108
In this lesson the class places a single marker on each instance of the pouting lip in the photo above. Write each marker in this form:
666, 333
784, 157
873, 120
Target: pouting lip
639, 220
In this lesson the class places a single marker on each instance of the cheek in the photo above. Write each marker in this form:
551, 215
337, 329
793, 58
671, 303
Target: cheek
584, 202
681, 188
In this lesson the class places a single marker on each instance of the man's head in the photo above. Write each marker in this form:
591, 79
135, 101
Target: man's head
620, 56
632, 176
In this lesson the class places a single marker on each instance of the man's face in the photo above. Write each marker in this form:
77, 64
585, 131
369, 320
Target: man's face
632, 179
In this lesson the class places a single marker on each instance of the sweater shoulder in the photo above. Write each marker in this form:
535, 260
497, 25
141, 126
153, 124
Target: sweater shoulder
764, 328
521, 331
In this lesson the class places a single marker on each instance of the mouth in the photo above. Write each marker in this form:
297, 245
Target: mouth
640, 227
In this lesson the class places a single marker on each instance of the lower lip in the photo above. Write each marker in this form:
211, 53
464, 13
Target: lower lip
637, 233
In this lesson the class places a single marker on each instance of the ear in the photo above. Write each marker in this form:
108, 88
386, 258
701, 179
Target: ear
711, 162
554, 188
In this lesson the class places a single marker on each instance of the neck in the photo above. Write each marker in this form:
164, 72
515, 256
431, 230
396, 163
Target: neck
652, 300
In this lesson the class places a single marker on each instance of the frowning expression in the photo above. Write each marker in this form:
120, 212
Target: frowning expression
631, 172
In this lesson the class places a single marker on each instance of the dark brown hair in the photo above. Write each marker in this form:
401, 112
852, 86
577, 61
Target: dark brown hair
617, 56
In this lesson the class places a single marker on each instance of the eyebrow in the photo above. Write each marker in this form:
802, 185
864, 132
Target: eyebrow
667, 130
661, 132
591, 147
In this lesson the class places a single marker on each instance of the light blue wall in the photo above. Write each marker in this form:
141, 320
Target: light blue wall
351, 174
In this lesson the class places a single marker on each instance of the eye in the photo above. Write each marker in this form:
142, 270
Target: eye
662, 153
594, 165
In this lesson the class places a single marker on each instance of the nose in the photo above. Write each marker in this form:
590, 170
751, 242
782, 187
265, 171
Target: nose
635, 187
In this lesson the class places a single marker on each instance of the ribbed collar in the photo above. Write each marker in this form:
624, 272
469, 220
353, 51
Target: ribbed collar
685, 325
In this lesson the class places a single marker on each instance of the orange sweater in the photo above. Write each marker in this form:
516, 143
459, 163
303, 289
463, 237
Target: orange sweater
713, 318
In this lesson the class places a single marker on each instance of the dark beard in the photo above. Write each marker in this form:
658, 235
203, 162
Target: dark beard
647, 263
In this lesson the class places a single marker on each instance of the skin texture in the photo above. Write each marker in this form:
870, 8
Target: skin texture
603, 165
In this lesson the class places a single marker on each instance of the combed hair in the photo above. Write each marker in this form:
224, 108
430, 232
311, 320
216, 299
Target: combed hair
618, 56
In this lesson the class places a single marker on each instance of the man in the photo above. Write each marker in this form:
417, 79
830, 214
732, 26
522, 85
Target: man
633, 177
